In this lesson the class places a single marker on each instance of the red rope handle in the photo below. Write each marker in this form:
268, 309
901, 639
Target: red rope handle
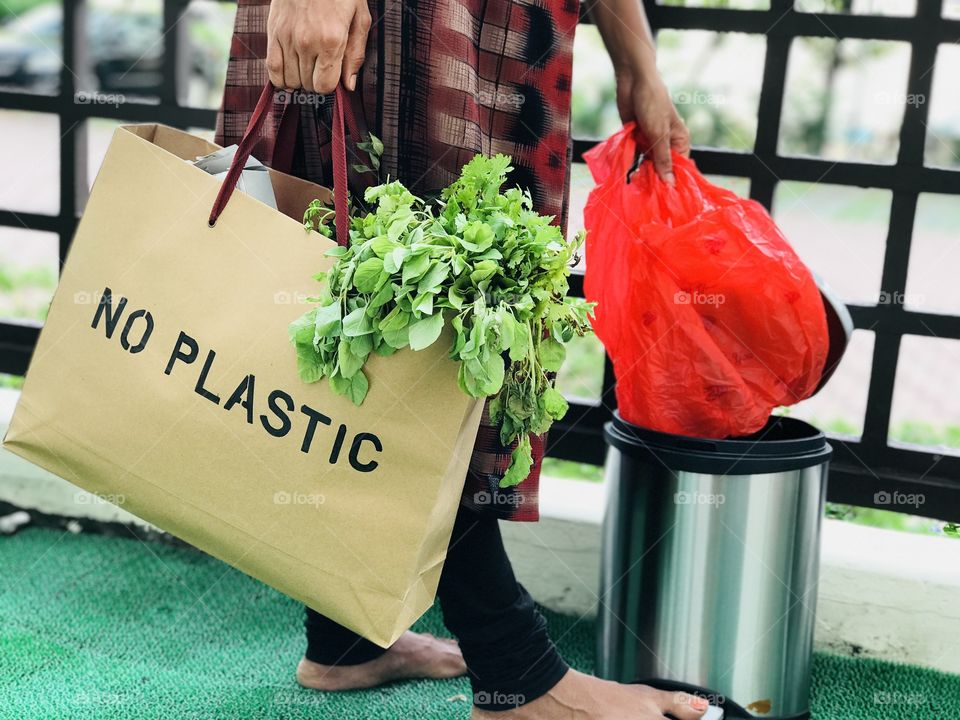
252, 134
338, 148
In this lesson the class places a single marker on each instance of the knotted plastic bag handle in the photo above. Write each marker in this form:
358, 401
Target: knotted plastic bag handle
250, 137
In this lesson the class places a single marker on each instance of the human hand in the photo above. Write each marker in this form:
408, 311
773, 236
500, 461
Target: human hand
313, 44
643, 98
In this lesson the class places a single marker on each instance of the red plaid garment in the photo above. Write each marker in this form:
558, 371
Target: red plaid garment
443, 80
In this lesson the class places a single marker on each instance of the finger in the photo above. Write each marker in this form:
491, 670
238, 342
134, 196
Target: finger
356, 49
680, 138
683, 706
625, 107
307, 63
274, 61
291, 68
661, 158
326, 76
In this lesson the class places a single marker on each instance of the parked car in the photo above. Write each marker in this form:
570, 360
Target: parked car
124, 47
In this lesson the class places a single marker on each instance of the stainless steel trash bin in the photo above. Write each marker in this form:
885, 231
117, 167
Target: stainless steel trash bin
710, 562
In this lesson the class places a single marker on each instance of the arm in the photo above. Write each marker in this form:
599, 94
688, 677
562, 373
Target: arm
641, 94
313, 44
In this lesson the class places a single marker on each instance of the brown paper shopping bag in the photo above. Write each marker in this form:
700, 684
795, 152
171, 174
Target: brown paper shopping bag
164, 375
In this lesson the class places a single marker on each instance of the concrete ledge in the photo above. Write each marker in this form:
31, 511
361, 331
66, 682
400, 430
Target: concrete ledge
27, 486
882, 594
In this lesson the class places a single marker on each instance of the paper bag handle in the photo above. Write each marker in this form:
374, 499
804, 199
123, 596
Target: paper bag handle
250, 137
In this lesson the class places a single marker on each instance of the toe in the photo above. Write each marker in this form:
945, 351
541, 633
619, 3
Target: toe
683, 706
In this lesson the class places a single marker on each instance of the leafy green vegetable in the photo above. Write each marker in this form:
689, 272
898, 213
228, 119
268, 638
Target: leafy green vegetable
478, 260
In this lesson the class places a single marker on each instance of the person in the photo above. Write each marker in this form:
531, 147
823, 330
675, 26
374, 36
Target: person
439, 81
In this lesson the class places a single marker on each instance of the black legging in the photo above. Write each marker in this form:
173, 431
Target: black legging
503, 637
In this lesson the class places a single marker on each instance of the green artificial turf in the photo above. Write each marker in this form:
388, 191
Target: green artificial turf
98, 627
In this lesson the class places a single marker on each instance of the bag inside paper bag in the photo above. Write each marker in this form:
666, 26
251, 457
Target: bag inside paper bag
254, 180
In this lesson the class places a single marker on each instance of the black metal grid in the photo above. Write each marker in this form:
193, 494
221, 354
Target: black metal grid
860, 469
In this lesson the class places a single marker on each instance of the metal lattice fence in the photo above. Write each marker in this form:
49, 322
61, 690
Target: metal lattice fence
861, 469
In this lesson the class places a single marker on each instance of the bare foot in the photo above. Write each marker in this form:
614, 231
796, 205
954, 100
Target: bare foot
582, 697
414, 655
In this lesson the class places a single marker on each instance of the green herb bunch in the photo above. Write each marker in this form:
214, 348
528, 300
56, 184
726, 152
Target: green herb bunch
480, 261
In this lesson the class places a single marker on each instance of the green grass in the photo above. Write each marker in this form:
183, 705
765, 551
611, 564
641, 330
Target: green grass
25, 292
98, 628
14, 382
554, 467
10, 9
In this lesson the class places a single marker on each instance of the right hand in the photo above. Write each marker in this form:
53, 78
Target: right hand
314, 44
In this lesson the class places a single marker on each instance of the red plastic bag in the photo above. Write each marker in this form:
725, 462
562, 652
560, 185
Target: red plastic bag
710, 318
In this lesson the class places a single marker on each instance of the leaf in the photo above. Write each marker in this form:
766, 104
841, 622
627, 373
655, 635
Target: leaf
327, 320
397, 338
358, 388
455, 298
415, 266
434, 277
339, 384
309, 364
362, 346
357, 323
382, 246
551, 354
467, 381
301, 330
506, 328
521, 461
347, 362
394, 320
483, 270
385, 350
521, 342
394, 261
423, 303
367, 274
423, 333
554, 403
381, 298
494, 369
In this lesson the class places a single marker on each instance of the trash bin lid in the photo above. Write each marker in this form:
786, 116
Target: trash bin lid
783, 444
839, 329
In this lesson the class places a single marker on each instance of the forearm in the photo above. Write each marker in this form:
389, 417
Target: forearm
625, 30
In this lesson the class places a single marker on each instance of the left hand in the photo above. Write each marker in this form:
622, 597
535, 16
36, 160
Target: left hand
643, 97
